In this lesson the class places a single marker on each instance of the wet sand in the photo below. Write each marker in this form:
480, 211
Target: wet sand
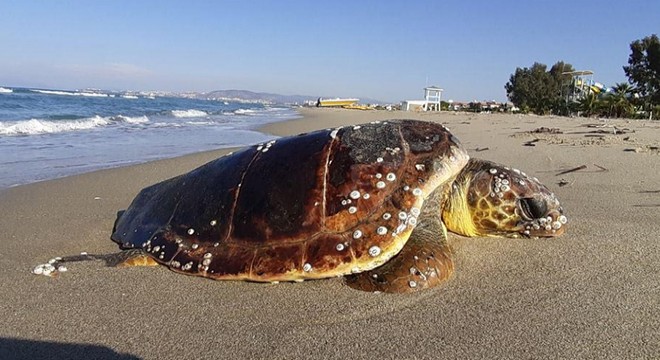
593, 293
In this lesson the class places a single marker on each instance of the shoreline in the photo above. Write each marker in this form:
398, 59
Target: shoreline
590, 293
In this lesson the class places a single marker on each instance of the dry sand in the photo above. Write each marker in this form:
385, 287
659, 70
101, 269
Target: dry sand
593, 293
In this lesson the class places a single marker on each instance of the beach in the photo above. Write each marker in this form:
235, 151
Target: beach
592, 293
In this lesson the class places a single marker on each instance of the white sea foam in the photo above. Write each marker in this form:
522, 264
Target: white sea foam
188, 113
197, 123
40, 126
88, 94
54, 92
70, 93
129, 96
244, 111
37, 126
5, 90
132, 120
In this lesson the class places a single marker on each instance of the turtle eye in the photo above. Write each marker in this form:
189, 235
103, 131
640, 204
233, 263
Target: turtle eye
533, 208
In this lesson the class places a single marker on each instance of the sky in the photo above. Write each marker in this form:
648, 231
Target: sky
387, 50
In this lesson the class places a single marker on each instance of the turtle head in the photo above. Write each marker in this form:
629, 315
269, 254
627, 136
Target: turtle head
488, 199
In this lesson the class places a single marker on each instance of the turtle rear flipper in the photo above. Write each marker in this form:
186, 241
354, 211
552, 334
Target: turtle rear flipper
425, 261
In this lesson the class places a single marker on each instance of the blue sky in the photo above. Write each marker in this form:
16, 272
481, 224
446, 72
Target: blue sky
386, 50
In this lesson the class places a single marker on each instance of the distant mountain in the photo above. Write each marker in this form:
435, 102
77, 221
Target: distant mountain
251, 96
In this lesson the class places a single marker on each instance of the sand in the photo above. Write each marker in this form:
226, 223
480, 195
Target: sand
593, 293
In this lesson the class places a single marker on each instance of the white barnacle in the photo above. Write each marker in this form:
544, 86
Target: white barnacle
194, 246
417, 192
156, 248
493, 171
403, 215
366, 196
379, 159
406, 188
38, 270
562, 219
374, 251
352, 210
556, 225
379, 175
333, 133
380, 184
307, 267
387, 216
354, 194
344, 202
420, 167
213, 222
412, 220
357, 234
412, 283
208, 256
340, 247
356, 127
400, 228
505, 188
505, 182
206, 262
382, 230
415, 211
390, 177
521, 182
260, 147
191, 231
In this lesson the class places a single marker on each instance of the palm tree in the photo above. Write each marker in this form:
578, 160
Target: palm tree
588, 104
618, 101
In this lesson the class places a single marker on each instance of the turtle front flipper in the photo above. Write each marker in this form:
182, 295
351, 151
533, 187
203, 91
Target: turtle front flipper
425, 261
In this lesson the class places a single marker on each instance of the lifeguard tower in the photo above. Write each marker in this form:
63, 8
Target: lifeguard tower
433, 95
431, 102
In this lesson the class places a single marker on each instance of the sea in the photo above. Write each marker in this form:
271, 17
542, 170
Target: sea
47, 134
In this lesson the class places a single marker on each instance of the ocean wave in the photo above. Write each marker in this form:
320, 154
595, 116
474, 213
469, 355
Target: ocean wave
131, 120
244, 111
69, 93
197, 123
5, 90
40, 126
37, 126
188, 113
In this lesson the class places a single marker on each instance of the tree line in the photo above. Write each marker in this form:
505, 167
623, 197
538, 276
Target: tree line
541, 91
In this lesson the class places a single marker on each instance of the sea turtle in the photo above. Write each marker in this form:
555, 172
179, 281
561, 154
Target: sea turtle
371, 201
